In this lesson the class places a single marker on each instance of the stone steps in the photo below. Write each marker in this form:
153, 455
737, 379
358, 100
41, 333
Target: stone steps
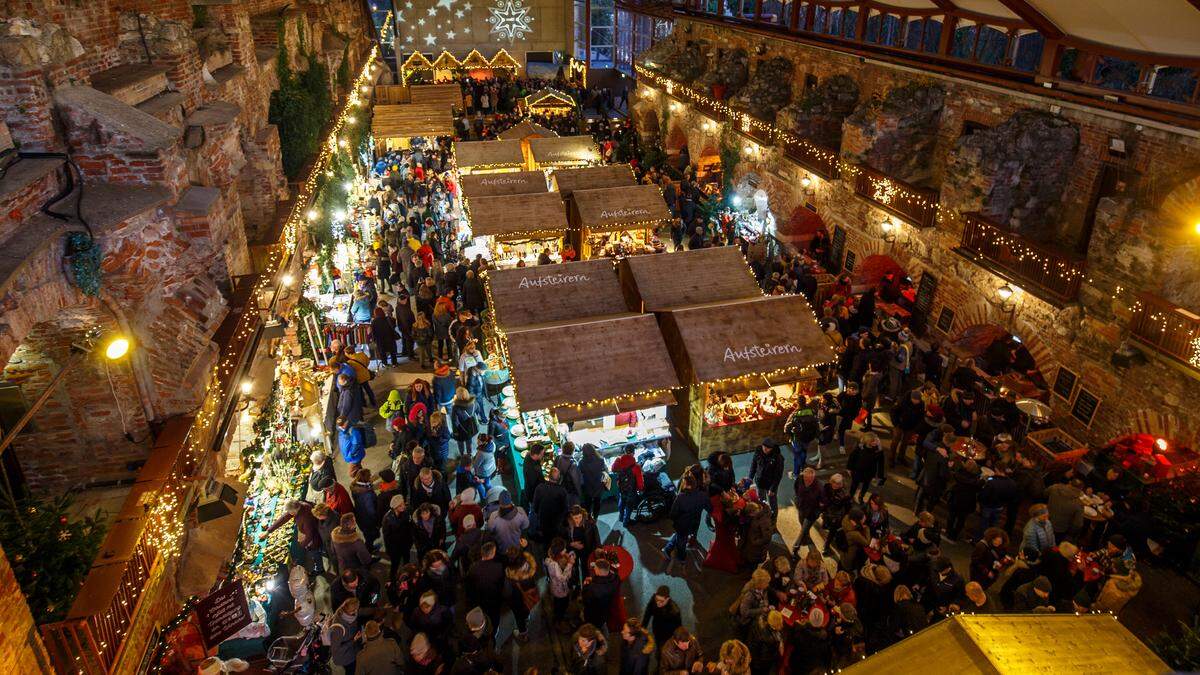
167, 107
27, 185
132, 83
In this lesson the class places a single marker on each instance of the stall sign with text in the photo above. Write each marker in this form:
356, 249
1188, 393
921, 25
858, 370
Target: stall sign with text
223, 613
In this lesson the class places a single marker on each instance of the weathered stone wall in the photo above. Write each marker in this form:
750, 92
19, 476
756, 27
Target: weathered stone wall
21, 651
1141, 237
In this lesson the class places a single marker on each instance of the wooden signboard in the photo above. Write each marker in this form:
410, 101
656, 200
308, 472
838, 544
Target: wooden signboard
923, 305
1064, 383
836, 248
945, 320
851, 259
223, 613
1085, 407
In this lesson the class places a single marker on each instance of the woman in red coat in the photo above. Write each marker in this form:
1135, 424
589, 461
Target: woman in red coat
724, 554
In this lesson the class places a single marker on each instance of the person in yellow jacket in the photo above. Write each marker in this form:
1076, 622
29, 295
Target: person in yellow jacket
359, 362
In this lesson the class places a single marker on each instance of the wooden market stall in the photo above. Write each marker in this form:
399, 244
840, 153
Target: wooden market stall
525, 130
476, 65
417, 64
445, 66
562, 152
667, 281
744, 363
504, 62
549, 101
525, 296
448, 95
567, 181
494, 184
517, 228
390, 94
394, 126
617, 393
488, 157
613, 222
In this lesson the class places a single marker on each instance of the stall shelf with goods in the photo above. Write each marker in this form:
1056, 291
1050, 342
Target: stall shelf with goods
744, 363
395, 126
606, 382
474, 157
562, 152
668, 281
514, 229
495, 185
620, 221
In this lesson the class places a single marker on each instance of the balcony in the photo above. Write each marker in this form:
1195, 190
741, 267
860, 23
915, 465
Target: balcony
915, 205
1167, 328
817, 159
759, 131
1046, 272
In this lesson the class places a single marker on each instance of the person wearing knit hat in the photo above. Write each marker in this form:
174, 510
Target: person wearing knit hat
477, 647
1033, 595
379, 654
434, 619
423, 657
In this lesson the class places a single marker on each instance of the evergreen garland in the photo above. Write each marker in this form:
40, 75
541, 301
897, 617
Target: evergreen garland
304, 308
49, 553
300, 108
84, 254
730, 157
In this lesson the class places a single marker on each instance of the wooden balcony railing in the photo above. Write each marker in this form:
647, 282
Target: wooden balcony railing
915, 205
1168, 328
817, 159
1048, 273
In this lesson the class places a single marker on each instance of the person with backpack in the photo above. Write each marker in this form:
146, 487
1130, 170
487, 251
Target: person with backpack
340, 634
802, 429
351, 443
630, 484
462, 419
572, 476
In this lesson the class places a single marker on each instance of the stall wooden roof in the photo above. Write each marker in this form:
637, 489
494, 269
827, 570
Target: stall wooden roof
516, 216
665, 281
503, 59
525, 129
475, 61
548, 152
446, 61
619, 208
449, 95
583, 363
527, 296
493, 184
593, 178
410, 120
549, 97
776, 337
484, 154
1018, 643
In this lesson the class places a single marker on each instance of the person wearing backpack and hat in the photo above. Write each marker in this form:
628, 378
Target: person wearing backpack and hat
462, 420
630, 483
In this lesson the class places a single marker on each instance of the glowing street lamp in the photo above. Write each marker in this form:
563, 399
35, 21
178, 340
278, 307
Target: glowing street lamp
116, 348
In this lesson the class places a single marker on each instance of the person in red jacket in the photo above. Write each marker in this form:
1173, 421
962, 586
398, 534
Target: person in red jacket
336, 496
630, 484
308, 531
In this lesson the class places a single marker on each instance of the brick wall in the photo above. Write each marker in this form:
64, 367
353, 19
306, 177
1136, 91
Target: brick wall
21, 649
1133, 241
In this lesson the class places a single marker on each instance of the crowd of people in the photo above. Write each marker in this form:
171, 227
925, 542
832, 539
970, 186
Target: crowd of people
427, 558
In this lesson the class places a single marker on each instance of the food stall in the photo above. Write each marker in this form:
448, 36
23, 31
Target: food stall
445, 95
567, 181
525, 130
504, 62
512, 230
549, 101
416, 65
562, 152
620, 221
606, 381
446, 66
495, 184
477, 66
395, 126
667, 281
743, 362
488, 157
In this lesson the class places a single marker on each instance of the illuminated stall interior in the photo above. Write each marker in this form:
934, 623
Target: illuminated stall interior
395, 126
445, 66
416, 68
562, 152
616, 222
488, 157
514, 230
744, 363
477, 66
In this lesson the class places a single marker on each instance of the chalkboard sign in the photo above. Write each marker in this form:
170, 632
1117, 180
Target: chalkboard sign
945, 320
923, 305
850, 260
1064, 383
223, 613
837, 248
1085, 406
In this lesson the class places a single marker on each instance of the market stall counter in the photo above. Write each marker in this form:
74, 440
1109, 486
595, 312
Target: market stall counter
494, 185
473, 157
619, 221
667, 281
562, 152
607, 382
744, 363
512, 230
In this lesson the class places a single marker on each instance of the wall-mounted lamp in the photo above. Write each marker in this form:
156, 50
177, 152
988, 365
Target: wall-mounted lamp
889, 230
1197, 227
806, 183
1007, 293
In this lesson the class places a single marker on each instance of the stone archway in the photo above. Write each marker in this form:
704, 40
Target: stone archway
1178, 213
676, 137
976, 323
874, 265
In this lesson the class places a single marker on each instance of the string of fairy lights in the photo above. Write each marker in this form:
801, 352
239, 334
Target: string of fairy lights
164, 523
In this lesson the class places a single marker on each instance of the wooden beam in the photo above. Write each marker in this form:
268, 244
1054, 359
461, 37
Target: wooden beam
951, 7
1034, 18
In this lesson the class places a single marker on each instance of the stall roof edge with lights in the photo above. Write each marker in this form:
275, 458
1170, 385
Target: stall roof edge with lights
397, 124
488, 156
553, 152
525, 129
517, 228
617, 221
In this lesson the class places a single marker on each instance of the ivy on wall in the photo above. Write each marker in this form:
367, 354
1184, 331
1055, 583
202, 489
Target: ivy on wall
300, 107
730, 157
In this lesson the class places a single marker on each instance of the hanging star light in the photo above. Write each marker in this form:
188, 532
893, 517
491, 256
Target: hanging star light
445, 4
430, 40
510, 19
432, 11
450, 35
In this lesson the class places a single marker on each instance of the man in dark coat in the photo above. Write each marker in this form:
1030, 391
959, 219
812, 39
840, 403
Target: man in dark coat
687, 512
404, 323
532, 471
766, 470
473, 297
810, 499
549, 507
397, 529
484, 583
599, 589
907, 415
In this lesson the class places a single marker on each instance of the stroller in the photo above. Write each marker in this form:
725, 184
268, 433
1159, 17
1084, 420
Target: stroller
301, 653
657, 496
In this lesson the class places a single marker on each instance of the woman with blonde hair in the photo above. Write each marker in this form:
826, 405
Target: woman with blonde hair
734, 659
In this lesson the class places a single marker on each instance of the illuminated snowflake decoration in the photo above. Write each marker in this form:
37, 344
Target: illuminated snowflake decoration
510, 20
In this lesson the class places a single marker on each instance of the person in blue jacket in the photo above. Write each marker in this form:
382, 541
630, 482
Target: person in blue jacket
352, 444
